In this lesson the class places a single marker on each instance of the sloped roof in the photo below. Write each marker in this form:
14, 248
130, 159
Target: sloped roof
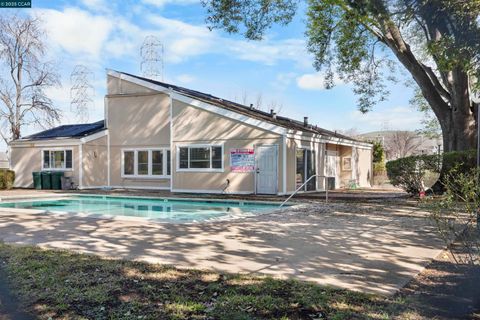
251, 112
68, 131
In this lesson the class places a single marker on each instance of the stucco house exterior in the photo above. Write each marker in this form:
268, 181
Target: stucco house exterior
160, 136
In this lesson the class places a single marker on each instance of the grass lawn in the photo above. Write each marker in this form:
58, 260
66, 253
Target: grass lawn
65, 285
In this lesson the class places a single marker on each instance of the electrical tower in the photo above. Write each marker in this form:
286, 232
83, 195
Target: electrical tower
82, 92
152, 58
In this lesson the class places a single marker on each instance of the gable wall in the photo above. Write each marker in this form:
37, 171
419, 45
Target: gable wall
192, 125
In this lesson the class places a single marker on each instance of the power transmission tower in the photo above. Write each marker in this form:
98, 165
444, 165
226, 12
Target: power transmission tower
152, 51
82, 92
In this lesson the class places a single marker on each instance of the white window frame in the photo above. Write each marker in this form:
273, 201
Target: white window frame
190, 146
135, 174
64, 155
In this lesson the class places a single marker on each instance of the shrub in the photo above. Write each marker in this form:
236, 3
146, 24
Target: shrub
7, 177
460, 161
456, 213
409, 172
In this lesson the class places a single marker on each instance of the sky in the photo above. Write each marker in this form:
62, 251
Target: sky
103, 34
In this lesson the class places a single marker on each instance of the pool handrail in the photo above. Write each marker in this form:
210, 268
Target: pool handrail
303, 185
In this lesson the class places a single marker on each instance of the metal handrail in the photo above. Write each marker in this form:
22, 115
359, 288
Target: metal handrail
303, 185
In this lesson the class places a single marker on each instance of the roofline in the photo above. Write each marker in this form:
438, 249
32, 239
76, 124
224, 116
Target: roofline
61, 140
264, 125
268, 126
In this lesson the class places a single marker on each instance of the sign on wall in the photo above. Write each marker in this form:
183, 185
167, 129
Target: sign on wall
242, 160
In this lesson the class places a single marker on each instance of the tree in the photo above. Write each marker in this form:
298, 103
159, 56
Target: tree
401, 144
24, 76
436, 41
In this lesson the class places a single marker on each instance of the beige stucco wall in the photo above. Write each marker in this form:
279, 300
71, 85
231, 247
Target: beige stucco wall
95, 159
364, 167
28, 158
116, 85
345, 175
137, 117
192, 125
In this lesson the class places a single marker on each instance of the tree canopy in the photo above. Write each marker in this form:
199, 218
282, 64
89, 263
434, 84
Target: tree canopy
364, 41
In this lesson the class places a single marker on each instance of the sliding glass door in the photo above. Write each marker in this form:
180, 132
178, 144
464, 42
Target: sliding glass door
306, 168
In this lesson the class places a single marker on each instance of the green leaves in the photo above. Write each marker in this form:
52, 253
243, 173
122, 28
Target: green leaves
249, 17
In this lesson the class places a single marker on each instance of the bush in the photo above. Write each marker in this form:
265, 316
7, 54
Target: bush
7, 177
456, 212
461, 161
408, 173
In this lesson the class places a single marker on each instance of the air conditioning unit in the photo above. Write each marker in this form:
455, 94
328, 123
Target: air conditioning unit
331, 183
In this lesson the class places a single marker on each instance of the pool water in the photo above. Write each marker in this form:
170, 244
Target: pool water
169, 210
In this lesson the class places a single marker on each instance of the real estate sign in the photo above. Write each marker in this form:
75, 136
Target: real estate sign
242, 160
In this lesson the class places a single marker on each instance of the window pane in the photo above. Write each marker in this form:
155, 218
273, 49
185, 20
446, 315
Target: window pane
199, 157
300, 177
169, 167
217, 157
58, 159
142, 162
68, 159
128, 162
183, 158
157, 163
46, 159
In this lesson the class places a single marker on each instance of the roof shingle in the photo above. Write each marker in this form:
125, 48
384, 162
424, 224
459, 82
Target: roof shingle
68, 131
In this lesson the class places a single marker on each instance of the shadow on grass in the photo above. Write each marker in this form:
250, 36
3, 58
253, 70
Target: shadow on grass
66, 285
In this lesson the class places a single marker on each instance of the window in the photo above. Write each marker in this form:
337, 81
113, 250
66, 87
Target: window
146, 163
157, 163
200, 158
306, 168
57, 160
142, 162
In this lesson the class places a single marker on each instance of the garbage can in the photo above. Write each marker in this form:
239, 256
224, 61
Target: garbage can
46, 180
57, 180
37, 180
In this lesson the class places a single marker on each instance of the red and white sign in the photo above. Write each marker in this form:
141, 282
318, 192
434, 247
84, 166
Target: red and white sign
242, 160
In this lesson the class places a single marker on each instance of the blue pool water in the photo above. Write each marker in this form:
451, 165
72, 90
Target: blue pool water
169, 210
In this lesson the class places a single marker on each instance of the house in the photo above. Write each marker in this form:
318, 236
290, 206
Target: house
160, 136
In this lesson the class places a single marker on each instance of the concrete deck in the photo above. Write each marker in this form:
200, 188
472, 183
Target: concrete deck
371, 247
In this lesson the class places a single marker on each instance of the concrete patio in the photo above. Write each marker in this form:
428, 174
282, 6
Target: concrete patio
371, 247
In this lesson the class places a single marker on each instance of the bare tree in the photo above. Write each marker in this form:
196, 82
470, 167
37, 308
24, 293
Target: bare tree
24, 76
400, 144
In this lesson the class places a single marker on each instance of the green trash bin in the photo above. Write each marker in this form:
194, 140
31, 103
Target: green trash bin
57, 180
37, 180
46, 180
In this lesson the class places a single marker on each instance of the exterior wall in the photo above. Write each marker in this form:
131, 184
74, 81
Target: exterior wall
363, 164
95, 163
27, 159
345, 175
119, 86
191, 125
137, 117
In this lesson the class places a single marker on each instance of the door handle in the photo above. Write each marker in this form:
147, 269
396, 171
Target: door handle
258, 170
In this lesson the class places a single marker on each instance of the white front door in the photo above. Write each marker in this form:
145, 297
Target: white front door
266, 169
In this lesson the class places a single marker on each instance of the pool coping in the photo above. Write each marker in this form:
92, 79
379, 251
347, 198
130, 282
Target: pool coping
56, 196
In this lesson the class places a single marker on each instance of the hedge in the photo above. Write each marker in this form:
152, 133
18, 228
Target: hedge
409, 172
7, 177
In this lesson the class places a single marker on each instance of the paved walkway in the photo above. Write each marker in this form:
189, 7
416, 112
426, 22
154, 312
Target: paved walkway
367, 247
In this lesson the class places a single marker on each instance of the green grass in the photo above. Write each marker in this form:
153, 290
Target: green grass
65, 285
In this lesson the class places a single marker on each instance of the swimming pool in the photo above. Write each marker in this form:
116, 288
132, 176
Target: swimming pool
167, 210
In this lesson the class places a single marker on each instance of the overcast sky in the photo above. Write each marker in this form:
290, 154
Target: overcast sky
100, 35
